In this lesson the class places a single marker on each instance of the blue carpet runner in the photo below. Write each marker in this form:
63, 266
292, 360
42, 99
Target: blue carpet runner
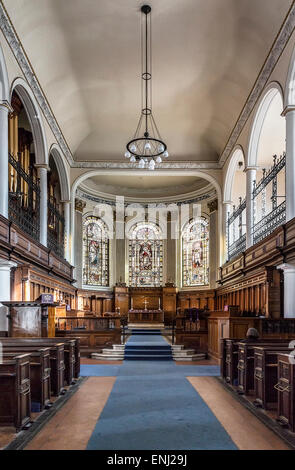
152, 406
147, 345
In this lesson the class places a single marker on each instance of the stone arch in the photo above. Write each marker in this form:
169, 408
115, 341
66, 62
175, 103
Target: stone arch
190, 172
236, 156
59, 160
264, 103
34, 115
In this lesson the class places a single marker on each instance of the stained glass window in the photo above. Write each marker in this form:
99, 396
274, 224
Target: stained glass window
95, 253
195, 253
145, 255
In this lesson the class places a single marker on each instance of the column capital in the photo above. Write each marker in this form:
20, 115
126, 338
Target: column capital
42, 166
287, 110
248, 168
6, 105
213, 205
287, 267
79, 205
227, 202
7, 264
65, 201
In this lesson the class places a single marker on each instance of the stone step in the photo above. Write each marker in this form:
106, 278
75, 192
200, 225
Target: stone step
183, 352
155, 357
107, 357
192, 357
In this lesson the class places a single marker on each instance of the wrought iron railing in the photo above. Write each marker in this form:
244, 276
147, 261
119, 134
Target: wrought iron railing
55, 232
236, 223
24, 206
269, 218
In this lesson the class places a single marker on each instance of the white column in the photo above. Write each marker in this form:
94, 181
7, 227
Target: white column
227, 207
5, 267
289, 289
67, 207
42, 174
289, 113
4, 110
251, 177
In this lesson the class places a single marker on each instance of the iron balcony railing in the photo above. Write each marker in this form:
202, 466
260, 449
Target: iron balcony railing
236, 239
265, 223
24, 206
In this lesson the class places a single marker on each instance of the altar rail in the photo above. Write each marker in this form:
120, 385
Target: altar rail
88, 323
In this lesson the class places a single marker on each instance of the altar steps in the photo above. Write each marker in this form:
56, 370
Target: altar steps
117, 353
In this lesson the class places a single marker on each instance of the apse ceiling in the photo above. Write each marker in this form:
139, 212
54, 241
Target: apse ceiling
142, 186
206, 57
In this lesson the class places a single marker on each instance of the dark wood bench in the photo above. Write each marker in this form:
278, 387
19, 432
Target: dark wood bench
39, 376
266, 375
286, 391
72, 353
230, 360
15, 396
57, 365
246, 362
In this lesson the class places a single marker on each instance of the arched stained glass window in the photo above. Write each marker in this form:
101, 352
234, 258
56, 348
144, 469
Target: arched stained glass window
95, 253
145, 255
195, 253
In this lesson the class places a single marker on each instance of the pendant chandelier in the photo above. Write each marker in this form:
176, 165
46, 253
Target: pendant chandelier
146, 148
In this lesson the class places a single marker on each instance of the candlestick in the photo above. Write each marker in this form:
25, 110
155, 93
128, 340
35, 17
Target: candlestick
159, 303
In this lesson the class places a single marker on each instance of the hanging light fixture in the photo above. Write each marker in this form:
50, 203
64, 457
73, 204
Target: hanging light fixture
146, 147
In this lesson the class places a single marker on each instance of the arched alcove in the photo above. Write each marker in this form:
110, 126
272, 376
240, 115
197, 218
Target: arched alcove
267, 135
35, 118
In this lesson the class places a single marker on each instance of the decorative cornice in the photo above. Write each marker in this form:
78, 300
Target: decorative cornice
186, 165
84, 196
16, 46
265, 72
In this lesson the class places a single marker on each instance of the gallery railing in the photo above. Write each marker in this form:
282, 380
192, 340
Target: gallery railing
24, 199
55, 232
236, 226
269, 207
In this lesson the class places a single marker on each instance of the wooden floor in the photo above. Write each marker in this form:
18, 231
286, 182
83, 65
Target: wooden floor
73, 424
247, 432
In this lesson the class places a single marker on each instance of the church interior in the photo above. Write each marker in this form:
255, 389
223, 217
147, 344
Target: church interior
147, 225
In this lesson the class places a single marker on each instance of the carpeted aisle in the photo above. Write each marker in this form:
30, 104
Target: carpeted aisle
153, 406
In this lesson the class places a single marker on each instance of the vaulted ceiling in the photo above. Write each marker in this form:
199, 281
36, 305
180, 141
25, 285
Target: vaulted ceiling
206, 57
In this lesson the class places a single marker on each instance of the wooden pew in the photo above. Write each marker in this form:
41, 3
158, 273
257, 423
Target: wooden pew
56, 360
73, 349
231, 360
266, 375
246, 362
286, 391
69, 353
39, 376
15, 396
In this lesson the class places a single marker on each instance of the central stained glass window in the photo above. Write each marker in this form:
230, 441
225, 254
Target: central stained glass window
195, 253
145, 255
95, 253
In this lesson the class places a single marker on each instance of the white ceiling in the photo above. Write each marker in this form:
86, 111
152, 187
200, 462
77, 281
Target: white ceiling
206, 57
145, 186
